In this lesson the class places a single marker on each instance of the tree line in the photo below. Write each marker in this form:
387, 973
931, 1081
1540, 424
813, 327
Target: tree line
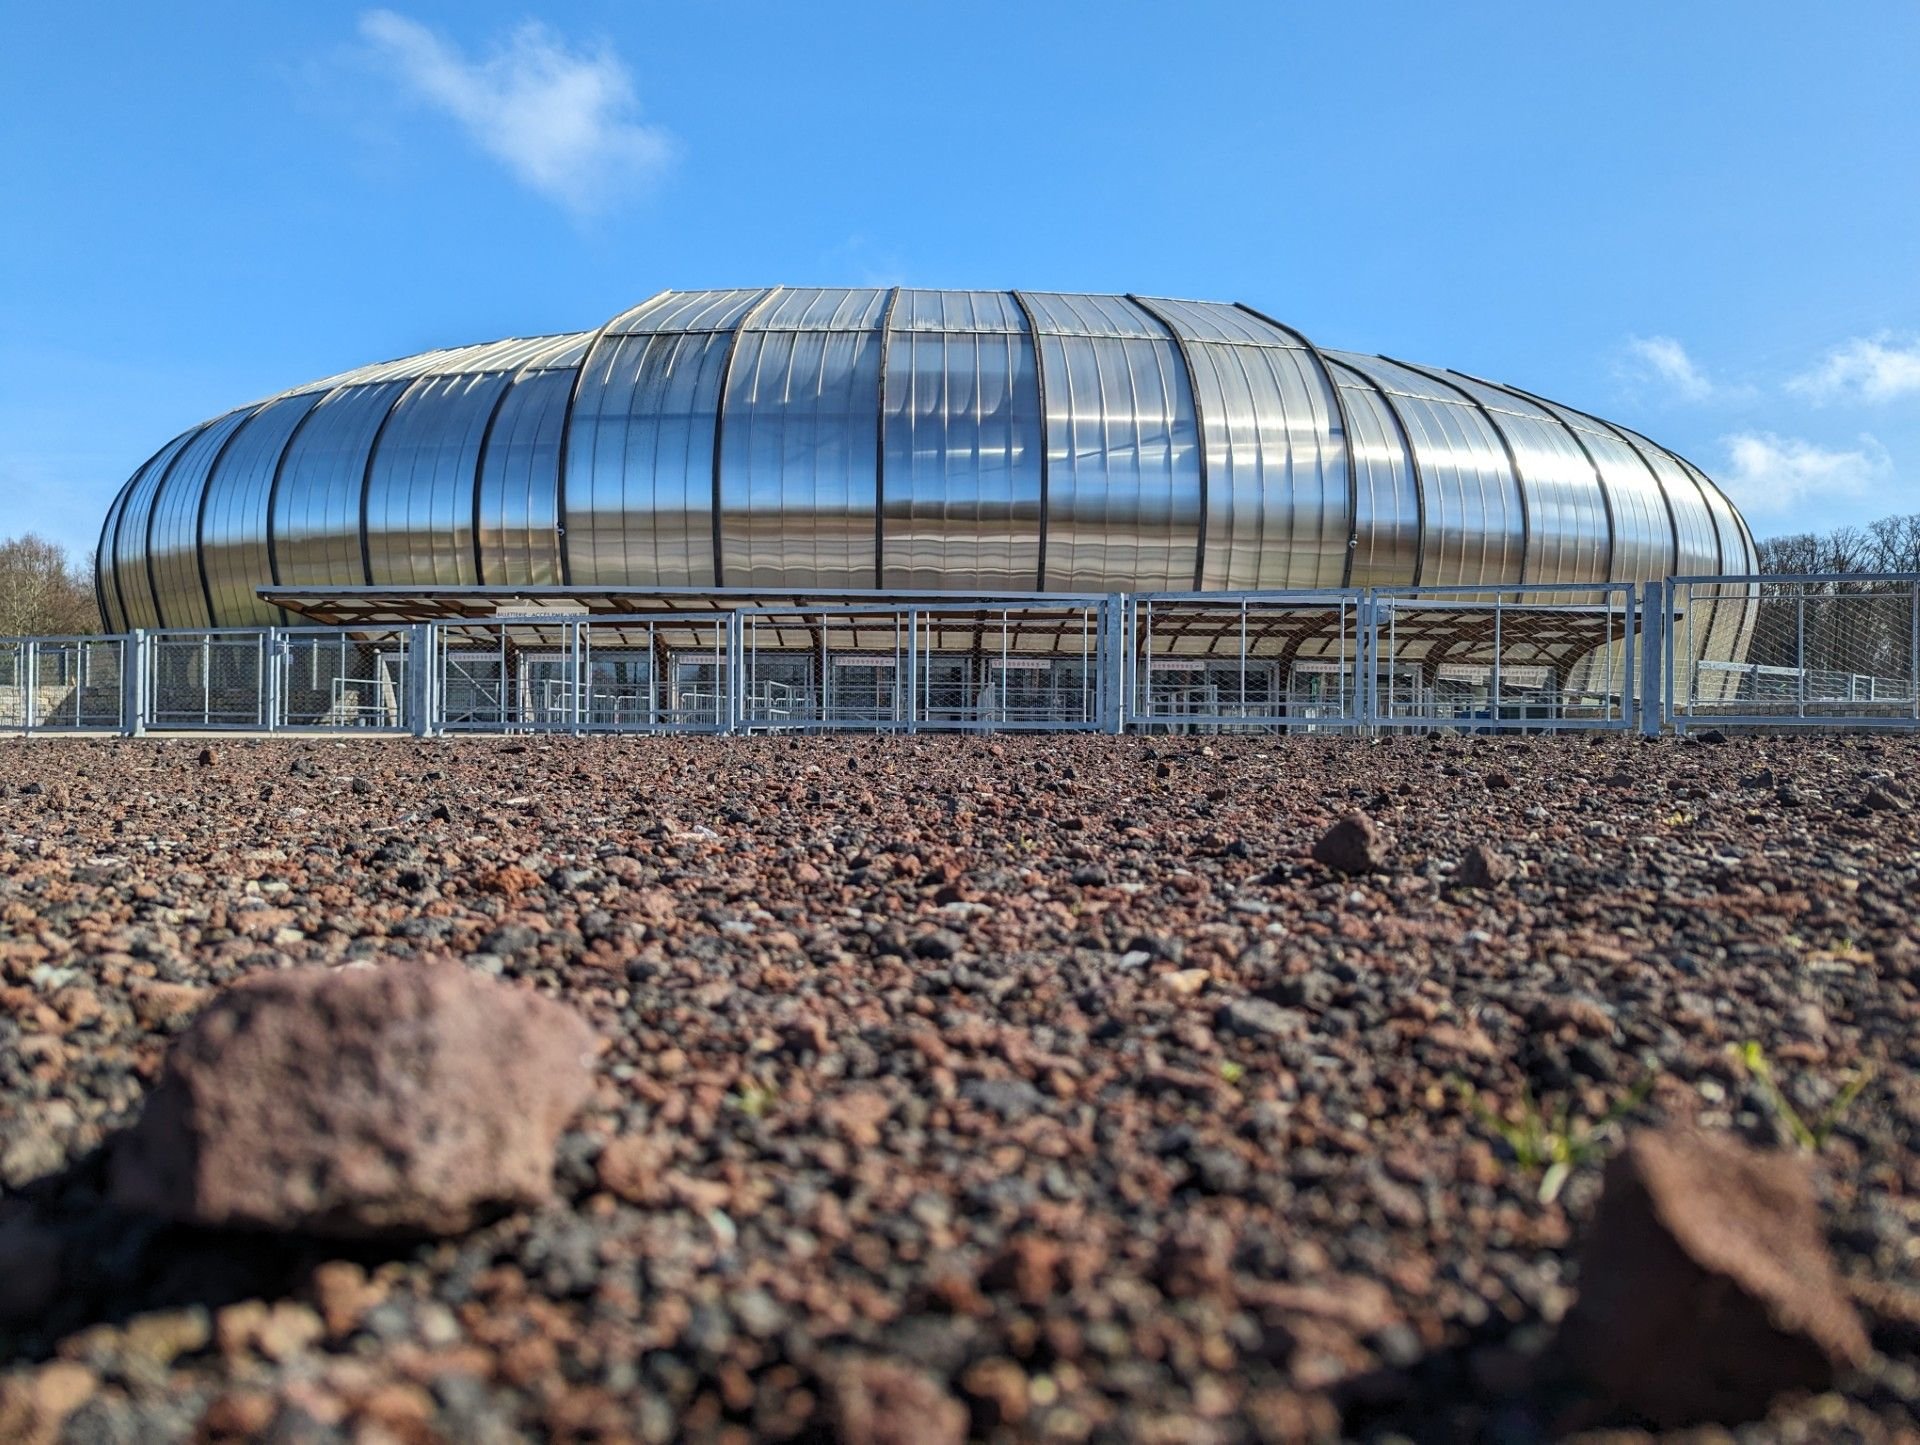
1891, 544
44, 592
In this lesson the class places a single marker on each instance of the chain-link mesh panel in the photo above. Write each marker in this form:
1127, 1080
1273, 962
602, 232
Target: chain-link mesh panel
1509, 658
206, 680
1822, 650
15, 694
342, 680
1239, 663
77, 684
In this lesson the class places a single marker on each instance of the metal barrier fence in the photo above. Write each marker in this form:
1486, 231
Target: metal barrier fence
1012, 665
62, 684
666, 673
1762, 652
1823, 651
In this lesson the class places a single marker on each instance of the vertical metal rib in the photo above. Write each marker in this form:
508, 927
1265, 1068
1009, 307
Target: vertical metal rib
273, 487
110, 538
720, 419
1200, 432
566, 435
366, 472
1040, 386
880, 447
1346, 445
480, 466
1599, 476
1413, 467
1506, 445
1693, 474
200, 511
153, 510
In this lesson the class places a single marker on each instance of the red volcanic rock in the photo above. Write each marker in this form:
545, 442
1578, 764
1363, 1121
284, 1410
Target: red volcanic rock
1352, 845
1483, 868
878, 1402
1706, 1288
404, 1099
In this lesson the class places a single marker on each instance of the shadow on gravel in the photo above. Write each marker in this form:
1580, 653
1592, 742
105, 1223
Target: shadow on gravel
70, 1261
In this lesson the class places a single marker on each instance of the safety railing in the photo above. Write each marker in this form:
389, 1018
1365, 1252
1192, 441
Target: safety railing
1830, 651
1733, 651
1537, 657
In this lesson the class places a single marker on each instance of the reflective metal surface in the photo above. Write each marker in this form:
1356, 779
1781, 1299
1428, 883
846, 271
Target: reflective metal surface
791, 437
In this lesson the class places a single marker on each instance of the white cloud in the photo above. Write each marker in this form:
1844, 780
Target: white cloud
1664, 360
564, 122
1867, 368
1769, 473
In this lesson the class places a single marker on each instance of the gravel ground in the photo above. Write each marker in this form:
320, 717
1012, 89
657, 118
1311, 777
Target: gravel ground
1046, 1087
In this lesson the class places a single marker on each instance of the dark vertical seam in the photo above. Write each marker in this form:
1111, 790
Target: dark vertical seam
1506, 445
366, 468
480, 463
1553, 418
880, 445
1040, 388
1200, 433
200, 517
1414, 469
1346, 442
153, 511
566, 437
273, 489
720, 419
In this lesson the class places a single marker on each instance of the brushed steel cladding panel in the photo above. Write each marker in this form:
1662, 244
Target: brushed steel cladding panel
316, 511
1123, 463
640, 459
1059, 313
175, 543
688, 311
798, 457
815, 308
233, 538
519, 482
1642, 526
957, 311
1387, 525
1474, 529
962, 460
1277, 511
419, 506
130, 553
1219, 321
1738, 558
1699, 541
1734, 605
1567, 526
451, 460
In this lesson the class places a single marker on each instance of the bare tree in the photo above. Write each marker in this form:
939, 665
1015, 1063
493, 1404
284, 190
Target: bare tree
43, 593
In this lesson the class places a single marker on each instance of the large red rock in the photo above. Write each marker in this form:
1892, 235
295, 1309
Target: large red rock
1706, 1287
404, 1098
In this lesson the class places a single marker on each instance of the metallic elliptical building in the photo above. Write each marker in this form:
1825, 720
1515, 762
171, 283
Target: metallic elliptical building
782, 441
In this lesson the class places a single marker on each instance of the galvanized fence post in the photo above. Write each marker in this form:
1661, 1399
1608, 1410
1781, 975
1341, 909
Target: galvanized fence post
1656, 701
1110, 657
422, 702
133, 684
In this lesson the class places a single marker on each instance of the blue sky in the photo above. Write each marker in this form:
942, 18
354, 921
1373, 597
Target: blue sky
1701, 219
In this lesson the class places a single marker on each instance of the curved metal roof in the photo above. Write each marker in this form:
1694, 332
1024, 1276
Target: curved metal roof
790, 437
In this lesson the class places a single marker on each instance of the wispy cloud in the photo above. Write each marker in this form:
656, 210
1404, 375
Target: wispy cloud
1867, 368
1664, 361
1769, 473
565, 122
